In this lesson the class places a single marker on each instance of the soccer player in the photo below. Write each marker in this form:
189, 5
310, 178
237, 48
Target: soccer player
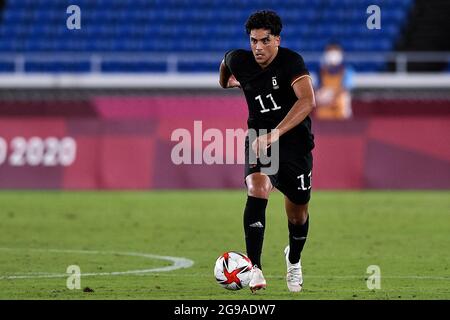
279, 95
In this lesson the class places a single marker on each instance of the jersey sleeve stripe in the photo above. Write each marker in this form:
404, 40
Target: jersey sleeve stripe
300, 77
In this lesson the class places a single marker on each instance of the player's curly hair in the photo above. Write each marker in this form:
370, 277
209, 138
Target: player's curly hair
264, 19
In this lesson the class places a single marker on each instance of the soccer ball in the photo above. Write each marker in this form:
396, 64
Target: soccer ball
233, 270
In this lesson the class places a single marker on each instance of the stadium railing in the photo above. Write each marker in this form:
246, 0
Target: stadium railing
172, 77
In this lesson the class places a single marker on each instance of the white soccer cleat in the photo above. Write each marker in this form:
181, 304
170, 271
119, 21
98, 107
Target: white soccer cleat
258, 282
294, 278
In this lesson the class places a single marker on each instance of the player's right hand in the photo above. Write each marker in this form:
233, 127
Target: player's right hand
233, 83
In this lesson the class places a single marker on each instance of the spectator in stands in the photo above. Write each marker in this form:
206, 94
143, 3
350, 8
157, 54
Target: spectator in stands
333, 97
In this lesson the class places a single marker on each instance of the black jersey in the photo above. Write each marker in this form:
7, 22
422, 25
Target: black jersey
270, 95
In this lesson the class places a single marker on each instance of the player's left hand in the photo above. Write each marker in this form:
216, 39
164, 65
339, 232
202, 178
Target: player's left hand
263, 142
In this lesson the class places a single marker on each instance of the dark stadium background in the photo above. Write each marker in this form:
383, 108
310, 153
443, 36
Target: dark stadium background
137, 70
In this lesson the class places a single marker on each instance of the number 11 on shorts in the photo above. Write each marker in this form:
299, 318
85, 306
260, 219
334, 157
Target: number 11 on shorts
302, 182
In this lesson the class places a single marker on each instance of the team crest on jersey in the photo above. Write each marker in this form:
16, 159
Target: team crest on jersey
274, 83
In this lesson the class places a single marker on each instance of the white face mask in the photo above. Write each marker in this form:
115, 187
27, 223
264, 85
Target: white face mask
333, 57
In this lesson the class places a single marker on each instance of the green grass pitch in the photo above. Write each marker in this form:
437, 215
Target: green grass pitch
405, 233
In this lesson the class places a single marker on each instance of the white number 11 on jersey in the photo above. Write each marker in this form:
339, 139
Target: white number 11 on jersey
275, 106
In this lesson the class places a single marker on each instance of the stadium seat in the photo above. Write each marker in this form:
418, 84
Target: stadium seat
178, 26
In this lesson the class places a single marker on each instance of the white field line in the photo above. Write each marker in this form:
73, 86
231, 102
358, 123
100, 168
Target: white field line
177, 263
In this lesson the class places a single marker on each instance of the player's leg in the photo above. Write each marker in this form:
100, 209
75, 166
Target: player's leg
295, 184
298, 225
259, 186
258, 190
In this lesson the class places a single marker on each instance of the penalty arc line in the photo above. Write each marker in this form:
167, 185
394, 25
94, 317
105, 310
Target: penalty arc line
178, 263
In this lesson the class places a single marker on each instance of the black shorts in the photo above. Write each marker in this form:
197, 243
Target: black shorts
293, 177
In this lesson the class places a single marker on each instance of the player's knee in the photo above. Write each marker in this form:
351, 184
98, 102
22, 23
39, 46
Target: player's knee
259, 190
300, 217
258, 186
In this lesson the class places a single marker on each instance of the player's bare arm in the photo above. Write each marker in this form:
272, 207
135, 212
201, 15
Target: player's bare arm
300, 110
226, 79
